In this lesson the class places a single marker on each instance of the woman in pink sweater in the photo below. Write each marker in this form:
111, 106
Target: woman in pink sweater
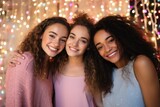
74, 79
29, 84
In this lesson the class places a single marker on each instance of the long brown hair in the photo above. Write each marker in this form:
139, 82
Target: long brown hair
84, 20
32, 43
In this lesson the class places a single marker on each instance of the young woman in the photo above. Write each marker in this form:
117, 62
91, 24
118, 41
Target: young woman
73, 82
29, 84
75, 69
127, 74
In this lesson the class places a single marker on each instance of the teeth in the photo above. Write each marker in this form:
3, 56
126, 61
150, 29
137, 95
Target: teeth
53, 49
110, 55
73, 49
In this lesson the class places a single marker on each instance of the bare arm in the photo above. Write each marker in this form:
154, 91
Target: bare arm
147, 77
98, 99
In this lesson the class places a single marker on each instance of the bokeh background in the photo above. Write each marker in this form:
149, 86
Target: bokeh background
17, 17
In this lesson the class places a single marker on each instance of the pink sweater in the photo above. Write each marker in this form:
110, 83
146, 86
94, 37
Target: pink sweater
23, 89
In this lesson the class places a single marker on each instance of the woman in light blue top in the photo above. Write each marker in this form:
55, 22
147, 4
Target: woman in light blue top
126, 64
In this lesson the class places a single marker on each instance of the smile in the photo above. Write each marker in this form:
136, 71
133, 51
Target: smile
52, 48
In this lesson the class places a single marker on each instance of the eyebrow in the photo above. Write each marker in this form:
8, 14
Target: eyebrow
105, 39
53, 32
84, 38
81, 37
56, 34
72, 34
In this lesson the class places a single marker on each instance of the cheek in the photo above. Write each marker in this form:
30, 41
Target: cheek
62, 46
101, 53
84, 46
69, 41
43, 43
44, 39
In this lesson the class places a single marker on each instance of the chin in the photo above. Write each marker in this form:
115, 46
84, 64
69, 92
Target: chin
113, 60
52, 55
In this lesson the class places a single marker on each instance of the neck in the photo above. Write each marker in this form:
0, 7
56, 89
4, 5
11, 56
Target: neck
122, 62
75, 61
74, 67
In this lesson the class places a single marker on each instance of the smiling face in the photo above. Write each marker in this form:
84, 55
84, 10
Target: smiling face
77, 41
107, 46
54, 39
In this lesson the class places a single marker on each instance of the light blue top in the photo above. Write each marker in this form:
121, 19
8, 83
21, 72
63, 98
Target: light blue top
126, 91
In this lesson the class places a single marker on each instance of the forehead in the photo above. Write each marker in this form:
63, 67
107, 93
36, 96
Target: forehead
57, 28
80, 31
101, 35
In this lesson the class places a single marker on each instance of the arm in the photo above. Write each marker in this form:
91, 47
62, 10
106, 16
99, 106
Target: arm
148, 80
98, 99
16, 77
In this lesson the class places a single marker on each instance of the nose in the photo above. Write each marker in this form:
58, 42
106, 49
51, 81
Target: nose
75, 42
107, 48
56, 42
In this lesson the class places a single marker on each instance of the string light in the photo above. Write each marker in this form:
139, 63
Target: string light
148, 17
18, 17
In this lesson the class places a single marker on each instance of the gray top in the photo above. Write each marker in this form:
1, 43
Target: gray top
126, 91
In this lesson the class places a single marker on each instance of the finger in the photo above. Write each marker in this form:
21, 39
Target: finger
19, 51
18, 54
15, 61
10, 64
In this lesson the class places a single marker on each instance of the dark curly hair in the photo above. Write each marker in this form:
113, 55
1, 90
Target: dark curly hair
129, 38
84, 20
32, 43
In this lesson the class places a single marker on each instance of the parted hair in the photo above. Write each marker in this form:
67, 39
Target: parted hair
32, 44
84, 20
130, 40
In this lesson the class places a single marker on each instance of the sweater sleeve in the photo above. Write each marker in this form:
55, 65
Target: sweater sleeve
18, 84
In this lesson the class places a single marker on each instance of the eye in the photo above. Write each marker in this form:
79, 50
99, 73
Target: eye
99, 47
63, 40
83, 41
111, 39
71, 37
52, 36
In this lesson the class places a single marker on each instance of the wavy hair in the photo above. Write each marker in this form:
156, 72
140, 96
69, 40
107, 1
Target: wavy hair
130, 40
83, 20
32, 43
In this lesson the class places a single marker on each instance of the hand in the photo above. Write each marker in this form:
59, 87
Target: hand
13, 61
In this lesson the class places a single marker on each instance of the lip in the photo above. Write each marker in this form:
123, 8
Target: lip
73, 49
53, 49
111, 54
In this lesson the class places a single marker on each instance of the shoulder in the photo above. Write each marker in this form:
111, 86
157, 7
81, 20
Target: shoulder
20, 71
143, 67
25, 62
142, 60
27, 55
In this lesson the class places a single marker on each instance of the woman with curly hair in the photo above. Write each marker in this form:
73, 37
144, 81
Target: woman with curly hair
29, 84
74, 83
126, 65
75, 68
